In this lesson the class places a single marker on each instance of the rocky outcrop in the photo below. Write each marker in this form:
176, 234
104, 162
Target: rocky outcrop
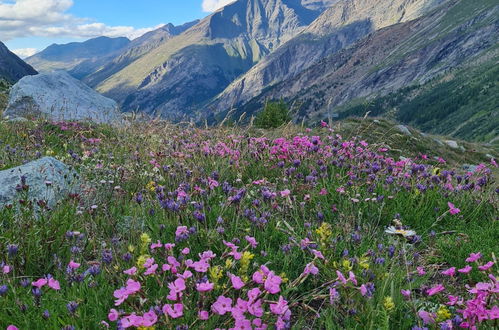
58, 96
12, 68
341, 25
43, 182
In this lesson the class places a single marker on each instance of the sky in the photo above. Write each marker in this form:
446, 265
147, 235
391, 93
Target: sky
29, 26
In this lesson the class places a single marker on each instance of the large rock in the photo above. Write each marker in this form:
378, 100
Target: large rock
58, 96
46, 179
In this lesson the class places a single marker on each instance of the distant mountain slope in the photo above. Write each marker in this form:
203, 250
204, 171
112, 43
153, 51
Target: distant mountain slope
461, 34
97, 70
184, 72
68, 56
12, 68
339, 26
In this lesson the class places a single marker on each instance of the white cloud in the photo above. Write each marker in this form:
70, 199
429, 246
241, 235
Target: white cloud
49, 18
213, 5
25, 52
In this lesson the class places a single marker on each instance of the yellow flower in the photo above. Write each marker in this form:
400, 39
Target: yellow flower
50, 152
364, 262
215, 274
146, 328
436, 171
145, 239
347, 265
389, 304
151, 186
443, 314
284, 278
142, 260
324, 232
245, 261
131, 248
228, 263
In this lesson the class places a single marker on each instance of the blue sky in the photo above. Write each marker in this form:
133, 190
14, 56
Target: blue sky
27, 26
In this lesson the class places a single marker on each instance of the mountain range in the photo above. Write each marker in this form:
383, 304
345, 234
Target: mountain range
12, 68
406, 59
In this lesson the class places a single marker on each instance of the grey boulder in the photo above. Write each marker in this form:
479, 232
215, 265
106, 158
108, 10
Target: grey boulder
58, 96
45, 181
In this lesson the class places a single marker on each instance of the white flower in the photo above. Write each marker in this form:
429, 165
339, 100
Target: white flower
394, 231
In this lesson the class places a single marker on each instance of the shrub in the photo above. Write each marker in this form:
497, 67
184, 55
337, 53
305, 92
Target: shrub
273, 115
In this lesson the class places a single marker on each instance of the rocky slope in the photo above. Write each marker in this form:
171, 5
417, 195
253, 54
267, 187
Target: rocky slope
183, 73
12, 68
457, 35
339, 26
95, 71
68, 56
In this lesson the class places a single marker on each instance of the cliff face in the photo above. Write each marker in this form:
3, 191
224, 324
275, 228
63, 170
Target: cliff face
182, 74
12, 68
458, 35
344, 23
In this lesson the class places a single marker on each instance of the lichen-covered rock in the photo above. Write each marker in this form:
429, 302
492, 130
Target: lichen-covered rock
403, 129
58, 96
45, 181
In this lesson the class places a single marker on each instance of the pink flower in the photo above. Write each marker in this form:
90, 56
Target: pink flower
406, 293
487, 266
203, 315
186, 251
151, 270
351, 278
149, 319
449, 272
310, 269
121, 295
156, 245
318, 254
174, 312
176, 288
452, 209
181, 230
272, 283
237, 283
132, 286
427, 318
12, 327
113, 315
285, 193
131, 271
323, 192
363, 290
323, 124
6, 269
341, 277
39, 283
436, 289
73, 265
255, 308
53, 284
474, 257
280, 308
201, 266
222, 305
421, 271
452, 300
465, 270
204, 287
252, 241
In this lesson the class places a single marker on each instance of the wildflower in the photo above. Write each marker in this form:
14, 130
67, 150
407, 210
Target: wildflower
237, 283
174, 312
465, 270
204, 287
222, 305
420, 270
436, 289
428, 318
130, 271
406, 293
452, 209
272, 283
203, 315
252, 241
72, 306
388, 304
474, 257
113, 315
39, 283
310, 269
487, 266
285, 193
53, 284
3, 289
449, 272
73, 265
443, 314
245, 260
394, 231
280, 307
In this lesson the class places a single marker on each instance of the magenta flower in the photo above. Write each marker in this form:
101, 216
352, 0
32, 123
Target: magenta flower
181, 230
204, 287
310, 269
436, 289
201, 266
449, 272
121, 295
428, 318
465, 270
341, 277
272, 283
351, 278
131, 271
53, 284
174, 312
113, 315
363, 290
151, 270
6, 269
474, 257
12, 327
452, 209
156, 245
252, 241
186, 251
255, 308
285, 193
237, 282
280, 308
149, 319
132, 286
203, 315
420, 270
222, 305
39, 283
73, 265
176, 288
487, 266
406, 293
